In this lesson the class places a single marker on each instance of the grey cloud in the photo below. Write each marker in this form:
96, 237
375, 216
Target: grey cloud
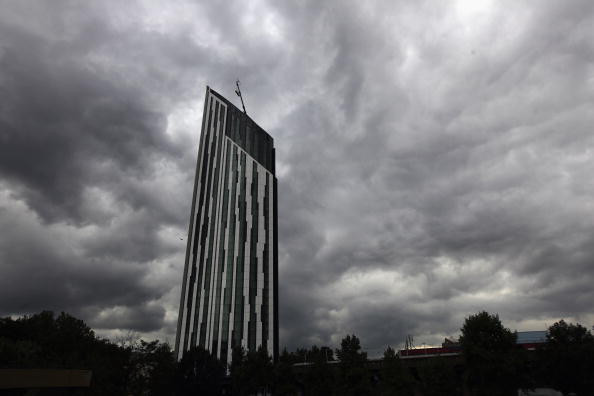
49, 271
65, 123
448, 151
141, 318
441, 186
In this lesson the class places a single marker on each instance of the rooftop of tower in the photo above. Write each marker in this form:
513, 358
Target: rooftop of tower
246, 133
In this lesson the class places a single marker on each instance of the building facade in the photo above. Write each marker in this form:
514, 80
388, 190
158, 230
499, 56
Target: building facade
229, 289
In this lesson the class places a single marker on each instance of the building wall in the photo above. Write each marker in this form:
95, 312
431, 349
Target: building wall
229, 286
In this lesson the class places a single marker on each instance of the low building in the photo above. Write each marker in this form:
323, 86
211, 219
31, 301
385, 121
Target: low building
528, 340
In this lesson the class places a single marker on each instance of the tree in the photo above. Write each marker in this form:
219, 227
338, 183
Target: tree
319, 378
45, 341
285, 381
354, 378
259, 371
321, 354
440, 378
488, 349
199, 373
237, 371
394, 379
301, 355
251, 372
567, 358
152, 368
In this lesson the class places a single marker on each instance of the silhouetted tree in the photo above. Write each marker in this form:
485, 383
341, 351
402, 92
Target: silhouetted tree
110, 365
354, 377
489, 352
251, 372
152, 369
259, 371
440, 378
319, 378
567, 359
301, 355
45, 341
321, 354
199, 373
237, 371
395, 380
285, 380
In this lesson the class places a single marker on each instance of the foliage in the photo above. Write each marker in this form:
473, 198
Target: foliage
322, 354
199, 373
320, 378
489, 352
285, 380
251, 372
354, 376
152, 366
440, 378
395, 380
567, 359
259, 371
492, 364
45, 341
237, 371
313, 375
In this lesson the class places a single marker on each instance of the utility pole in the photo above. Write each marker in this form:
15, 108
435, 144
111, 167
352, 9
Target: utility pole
238, 92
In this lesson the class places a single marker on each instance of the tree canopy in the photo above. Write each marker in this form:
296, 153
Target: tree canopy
488, 348
354, 377
491, 363
199, 373
567, 359
45, 341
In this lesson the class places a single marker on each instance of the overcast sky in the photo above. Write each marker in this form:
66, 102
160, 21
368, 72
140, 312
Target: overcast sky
434, 159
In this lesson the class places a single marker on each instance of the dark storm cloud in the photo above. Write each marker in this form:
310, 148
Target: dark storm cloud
433, 159
48, 272
467, 187
82, 142
68, 124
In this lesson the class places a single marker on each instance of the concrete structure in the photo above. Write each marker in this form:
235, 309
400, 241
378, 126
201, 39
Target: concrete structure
229, 289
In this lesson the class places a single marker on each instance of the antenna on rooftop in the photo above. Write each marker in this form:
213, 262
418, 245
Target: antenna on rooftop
409, 343
238, 92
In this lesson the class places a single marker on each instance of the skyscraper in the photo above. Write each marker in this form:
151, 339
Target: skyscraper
229, 288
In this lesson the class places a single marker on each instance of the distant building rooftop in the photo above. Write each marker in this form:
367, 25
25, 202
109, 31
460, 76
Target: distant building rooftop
531, 337
451, 347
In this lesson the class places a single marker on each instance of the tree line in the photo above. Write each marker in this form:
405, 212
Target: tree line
490, 363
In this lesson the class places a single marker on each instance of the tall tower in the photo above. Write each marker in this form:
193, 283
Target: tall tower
229, 289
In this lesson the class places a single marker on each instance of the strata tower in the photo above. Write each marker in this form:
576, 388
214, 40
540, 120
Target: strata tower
229, 289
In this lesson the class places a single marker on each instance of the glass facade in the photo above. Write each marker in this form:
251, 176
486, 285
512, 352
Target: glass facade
229, 287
